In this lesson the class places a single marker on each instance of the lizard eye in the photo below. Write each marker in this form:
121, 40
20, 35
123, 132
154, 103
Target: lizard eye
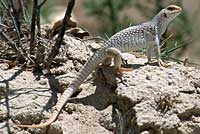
165, 15
171, 8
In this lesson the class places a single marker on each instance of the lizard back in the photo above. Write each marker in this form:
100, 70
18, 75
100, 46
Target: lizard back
133, 38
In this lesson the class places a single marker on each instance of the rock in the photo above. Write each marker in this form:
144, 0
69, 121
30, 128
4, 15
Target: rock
37, 130
107, 120
28, 117
23, 132
55, 128
4, 66
147, 100
161, 101
145, 132
198, 90
3, 115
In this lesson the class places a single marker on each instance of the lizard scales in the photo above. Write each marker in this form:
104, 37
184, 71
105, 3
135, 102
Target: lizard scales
131, 38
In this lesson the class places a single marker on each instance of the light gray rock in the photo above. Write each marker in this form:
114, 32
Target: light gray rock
55, 128
163, 101
147, 100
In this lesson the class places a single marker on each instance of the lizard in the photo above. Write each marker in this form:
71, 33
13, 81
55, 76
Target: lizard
146, 35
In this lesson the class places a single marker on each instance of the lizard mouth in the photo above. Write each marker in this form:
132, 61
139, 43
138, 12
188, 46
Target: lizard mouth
174, 9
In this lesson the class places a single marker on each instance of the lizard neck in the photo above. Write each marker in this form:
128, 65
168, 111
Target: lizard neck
158, 23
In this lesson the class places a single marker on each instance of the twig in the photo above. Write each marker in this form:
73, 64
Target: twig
40, 48
4, 4
16, 16
56, 47
12, 18
38, 16
21, 51
42, 3
185, 62
16, 49
3, 25
15, 25
34, 15
23, 11
13, 44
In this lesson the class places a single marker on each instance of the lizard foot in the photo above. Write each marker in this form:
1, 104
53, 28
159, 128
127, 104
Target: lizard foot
121, 70
162, 65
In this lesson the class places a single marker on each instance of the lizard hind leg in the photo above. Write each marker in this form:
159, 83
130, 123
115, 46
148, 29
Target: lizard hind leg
107, 61
117, 55
117, 65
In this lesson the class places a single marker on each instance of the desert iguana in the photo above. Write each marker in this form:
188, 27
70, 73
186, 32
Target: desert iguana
145, 35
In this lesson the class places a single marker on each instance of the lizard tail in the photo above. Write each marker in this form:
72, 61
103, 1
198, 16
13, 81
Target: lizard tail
82, 75
61, 102
51, 120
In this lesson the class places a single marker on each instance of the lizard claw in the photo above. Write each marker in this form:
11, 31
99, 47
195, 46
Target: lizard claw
124, 61
162, 65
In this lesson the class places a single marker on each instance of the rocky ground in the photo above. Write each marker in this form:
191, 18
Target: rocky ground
146, 100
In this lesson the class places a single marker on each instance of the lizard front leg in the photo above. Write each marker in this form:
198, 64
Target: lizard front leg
149, 53
157, 40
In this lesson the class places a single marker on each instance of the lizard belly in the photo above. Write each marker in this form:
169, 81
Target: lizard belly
133, 44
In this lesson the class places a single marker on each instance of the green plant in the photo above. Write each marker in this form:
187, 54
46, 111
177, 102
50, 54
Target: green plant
109, 12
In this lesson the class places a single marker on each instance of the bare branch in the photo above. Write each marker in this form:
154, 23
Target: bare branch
34, 17
42, 3
4, 4
12, 18
16, 49
16, 17
14, 46
56, 47
23, 11
40, 48
38, 16
3, 25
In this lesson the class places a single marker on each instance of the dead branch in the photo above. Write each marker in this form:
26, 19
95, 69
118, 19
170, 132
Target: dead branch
12, 18
14, 46
21, 4
33, 22
16, 17
3, 25
38, 17
21, 51
56, 47
42, 3
40, 48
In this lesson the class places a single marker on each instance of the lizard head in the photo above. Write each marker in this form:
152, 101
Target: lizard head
170, 12
166, 15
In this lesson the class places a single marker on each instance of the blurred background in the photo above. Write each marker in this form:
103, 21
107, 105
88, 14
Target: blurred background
106, 17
